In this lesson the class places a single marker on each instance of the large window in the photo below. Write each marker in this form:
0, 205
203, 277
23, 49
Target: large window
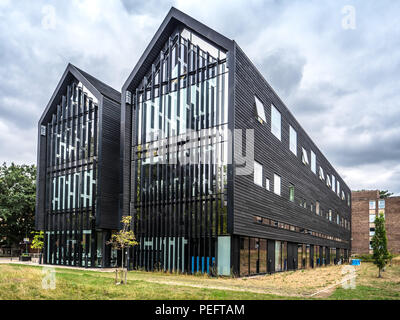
313, 162
277, 184
244, 256
258, 173
275, 122
293, 140
260, 110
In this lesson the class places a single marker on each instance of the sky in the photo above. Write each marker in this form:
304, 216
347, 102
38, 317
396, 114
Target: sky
335, 64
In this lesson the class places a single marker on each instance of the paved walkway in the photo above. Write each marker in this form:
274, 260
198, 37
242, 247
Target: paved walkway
15, 260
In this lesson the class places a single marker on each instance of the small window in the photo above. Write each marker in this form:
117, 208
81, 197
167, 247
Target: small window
275, 122
277, 184
338, 188
333, 183
293, 140
258, 173
267, 184
381, 204
330, 215
317, 207
328, 181
343, 195
291, 193
305, 157
372, 204
321, 174
260, 110
337, 219
372, 218
313, 162
348, 199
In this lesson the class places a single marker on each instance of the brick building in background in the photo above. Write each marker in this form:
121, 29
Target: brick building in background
366, 205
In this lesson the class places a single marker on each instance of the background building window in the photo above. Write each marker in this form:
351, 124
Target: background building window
381, 204
372, 217
293, 140
258, 173
260, 110
372, 204
275, 122
313, 162
277, 184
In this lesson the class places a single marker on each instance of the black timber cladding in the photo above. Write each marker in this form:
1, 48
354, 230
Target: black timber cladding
109, 133
276, 157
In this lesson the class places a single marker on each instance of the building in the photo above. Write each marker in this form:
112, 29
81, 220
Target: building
78, 171
191, 106
367, 204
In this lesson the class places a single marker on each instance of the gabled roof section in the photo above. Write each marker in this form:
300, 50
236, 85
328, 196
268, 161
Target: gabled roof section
171, 21
95, 86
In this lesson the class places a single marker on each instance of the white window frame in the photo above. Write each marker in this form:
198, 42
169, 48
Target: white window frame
277, 184
276, 117
313, 162
293, 140
260, 110
258, 178
321, 174
304, 156
328, 181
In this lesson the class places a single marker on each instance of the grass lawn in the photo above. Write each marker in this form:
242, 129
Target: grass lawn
25, 282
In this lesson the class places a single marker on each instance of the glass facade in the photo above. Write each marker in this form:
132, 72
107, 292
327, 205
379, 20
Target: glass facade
71, 179
180, 156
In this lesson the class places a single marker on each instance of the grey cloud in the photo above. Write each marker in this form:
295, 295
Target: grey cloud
283, 68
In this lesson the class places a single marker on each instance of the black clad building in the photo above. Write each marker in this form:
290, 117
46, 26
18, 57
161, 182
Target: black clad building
217, 174
78, 171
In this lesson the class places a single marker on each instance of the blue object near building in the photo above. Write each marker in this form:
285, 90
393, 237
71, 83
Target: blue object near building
355, 262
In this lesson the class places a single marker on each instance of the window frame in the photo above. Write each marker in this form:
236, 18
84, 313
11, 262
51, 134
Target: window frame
293, 135
258, 176
274, 114
276, 179
260, 109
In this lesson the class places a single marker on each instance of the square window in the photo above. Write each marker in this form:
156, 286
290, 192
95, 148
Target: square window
372, 204
260, 110
277, 184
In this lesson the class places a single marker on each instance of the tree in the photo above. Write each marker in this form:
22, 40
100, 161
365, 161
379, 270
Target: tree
385, 194
37, 241
121, 240
17, 202
381, 255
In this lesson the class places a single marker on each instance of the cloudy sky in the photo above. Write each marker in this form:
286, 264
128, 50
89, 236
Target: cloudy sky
337, 69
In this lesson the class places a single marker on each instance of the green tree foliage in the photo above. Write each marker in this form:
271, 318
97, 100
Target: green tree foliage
381, 255
17, 202
385, 194
121, 240
38, 240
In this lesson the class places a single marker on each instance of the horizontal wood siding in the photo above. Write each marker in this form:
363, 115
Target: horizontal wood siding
275, 156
